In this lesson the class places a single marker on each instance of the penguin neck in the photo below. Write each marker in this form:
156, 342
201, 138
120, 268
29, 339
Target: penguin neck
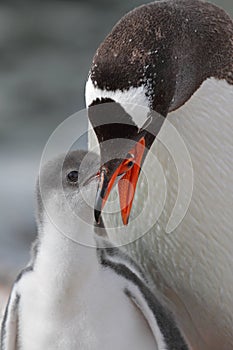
62, 260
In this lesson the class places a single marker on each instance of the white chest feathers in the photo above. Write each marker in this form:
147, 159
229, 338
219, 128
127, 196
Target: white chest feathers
193, 264
69, 302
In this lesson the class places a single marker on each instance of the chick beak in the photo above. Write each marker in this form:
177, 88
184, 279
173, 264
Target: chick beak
126, 174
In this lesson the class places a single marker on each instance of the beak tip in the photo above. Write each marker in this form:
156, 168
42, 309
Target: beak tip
97, 214
125, 221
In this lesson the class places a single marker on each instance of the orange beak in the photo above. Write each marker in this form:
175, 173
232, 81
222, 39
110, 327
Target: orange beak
126, 174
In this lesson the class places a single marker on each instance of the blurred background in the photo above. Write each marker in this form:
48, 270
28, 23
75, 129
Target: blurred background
46, 48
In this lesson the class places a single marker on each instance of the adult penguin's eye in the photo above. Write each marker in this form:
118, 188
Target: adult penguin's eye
73, 176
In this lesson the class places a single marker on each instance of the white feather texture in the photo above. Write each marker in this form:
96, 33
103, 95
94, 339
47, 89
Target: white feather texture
193, 265
69, 301
127, 98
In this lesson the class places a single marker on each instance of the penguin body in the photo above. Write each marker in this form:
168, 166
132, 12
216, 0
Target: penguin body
80, 292
175, 57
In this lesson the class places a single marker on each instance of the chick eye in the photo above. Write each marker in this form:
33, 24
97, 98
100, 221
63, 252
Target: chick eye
73, 176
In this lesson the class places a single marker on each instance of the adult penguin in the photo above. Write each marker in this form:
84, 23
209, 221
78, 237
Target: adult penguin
175, 58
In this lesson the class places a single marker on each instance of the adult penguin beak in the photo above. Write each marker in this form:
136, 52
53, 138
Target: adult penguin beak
125, 173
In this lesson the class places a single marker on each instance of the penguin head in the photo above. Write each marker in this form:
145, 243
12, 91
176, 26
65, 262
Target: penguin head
66, 190
157, 56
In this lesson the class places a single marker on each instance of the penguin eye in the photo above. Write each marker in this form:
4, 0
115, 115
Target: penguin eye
73, 176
